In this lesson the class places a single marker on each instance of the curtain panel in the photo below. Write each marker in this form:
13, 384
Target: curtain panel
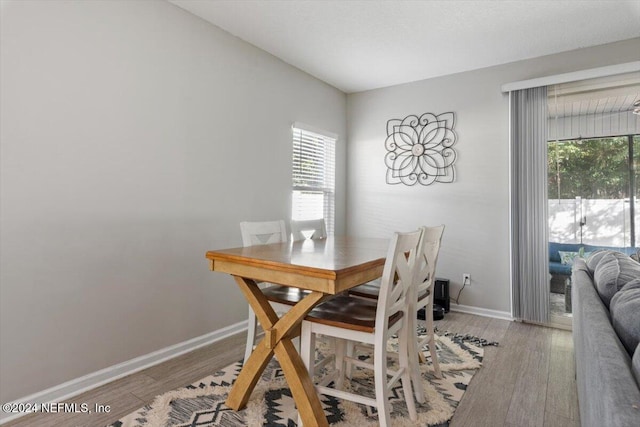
529, 218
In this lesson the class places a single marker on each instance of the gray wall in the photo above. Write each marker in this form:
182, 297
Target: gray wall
475, 208
135, 137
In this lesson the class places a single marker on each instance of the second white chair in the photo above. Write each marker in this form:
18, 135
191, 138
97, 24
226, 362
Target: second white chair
308, 229
420, 296
372, 322
281, 298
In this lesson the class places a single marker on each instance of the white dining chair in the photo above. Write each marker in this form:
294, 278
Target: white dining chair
281, 298
263, 232
421, 296
308, 229
373, 322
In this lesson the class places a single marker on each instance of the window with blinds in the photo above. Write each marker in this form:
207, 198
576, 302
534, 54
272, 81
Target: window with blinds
313, 176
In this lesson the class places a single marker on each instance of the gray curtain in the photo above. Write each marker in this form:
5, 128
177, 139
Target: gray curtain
529, 218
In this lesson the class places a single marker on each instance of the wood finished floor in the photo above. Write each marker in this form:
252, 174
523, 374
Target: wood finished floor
527, 381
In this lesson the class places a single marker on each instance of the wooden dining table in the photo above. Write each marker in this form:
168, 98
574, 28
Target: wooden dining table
325, 267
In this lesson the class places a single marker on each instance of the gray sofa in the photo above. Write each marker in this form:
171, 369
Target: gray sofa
606, 335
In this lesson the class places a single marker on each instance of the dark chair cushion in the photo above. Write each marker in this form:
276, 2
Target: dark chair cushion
614, 270
284, 294
625, 315
367, 290
358, 314
371, 290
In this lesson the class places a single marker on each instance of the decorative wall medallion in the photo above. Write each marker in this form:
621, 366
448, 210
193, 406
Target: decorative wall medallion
419, 149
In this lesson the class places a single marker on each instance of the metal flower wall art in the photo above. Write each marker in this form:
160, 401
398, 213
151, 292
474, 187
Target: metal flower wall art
419, 149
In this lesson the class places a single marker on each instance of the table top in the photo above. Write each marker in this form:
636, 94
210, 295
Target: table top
329, 265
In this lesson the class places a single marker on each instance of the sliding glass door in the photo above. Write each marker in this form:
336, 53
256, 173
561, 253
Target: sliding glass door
593, 187
593, 191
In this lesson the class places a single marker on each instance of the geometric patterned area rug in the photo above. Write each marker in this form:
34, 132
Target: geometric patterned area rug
201, 404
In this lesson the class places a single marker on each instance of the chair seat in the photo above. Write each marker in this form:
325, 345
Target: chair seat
349, 313
284, 294
371, 290
367, 290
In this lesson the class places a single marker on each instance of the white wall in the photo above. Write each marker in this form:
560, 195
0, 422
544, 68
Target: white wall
475, 208
608, 221
135, 137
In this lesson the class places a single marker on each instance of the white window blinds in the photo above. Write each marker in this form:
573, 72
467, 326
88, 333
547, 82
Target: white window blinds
313, 176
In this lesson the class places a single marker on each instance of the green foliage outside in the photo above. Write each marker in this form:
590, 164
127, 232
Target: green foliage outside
592, 168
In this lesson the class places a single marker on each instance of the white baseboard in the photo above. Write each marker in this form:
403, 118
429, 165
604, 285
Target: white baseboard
485, 312
95, 379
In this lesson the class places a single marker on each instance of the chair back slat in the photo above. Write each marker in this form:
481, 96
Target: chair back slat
398, 274
428, 257
263, 232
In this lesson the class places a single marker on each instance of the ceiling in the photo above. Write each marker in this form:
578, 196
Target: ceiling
595, 97
361, 45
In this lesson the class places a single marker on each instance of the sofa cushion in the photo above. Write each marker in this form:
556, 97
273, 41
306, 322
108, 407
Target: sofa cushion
614, 270
595, 258
625, 314
635, 364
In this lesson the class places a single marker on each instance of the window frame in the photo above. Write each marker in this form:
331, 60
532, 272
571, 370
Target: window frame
322, 171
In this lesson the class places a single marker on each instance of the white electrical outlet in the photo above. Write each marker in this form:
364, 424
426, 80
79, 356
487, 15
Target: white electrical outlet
466, 279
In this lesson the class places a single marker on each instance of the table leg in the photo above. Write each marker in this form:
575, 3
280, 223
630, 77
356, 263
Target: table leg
302, 389
278, 333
